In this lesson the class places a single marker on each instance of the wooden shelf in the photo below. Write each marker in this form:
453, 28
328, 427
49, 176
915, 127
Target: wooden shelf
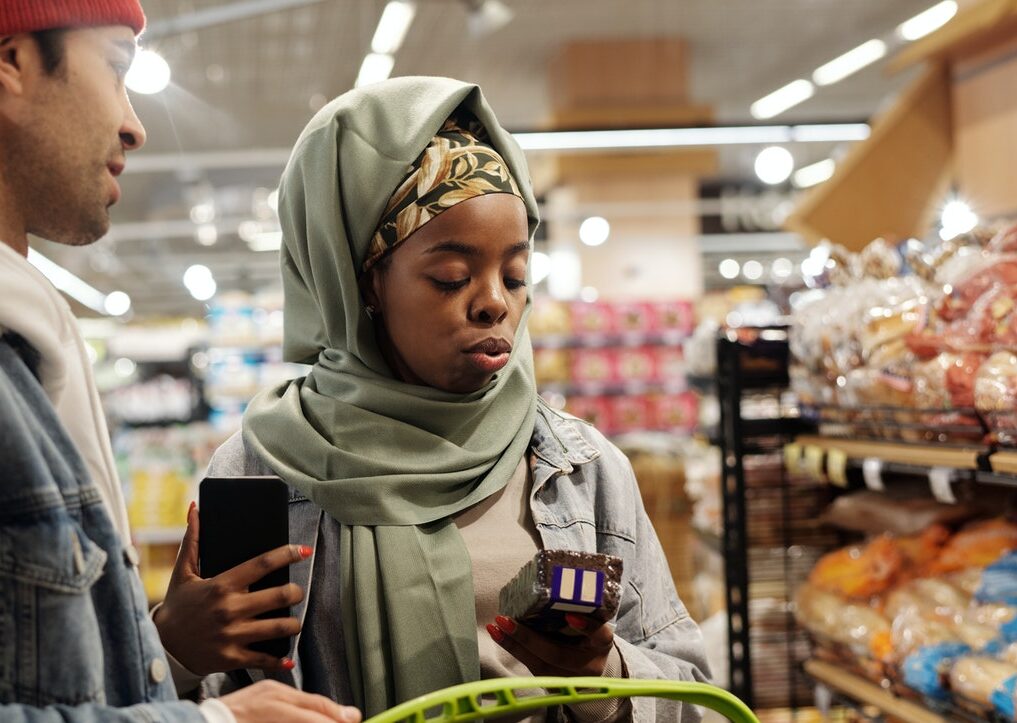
1004, 462
869, 693
921, 455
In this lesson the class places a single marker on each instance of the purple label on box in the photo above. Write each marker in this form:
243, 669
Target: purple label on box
574, 589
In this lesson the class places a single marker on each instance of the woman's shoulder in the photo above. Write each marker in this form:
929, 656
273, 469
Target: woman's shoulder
580, 441
234, 458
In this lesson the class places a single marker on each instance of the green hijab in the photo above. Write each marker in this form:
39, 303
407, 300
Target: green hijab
392, 462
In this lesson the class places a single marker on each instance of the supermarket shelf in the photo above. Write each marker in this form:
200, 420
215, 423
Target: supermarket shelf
597, 341
711, 540
612, 389
919, 455
1004, 462
158, 535
859, 689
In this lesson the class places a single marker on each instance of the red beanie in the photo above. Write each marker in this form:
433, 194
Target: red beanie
26, 16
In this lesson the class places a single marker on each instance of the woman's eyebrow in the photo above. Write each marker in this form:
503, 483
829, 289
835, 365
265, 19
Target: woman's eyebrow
454, 247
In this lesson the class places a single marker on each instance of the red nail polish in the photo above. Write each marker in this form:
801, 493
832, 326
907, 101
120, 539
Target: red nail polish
495, 633
576, 622
306, 551
506, 624
288, 664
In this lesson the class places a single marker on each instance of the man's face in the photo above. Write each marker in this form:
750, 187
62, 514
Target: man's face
66, 143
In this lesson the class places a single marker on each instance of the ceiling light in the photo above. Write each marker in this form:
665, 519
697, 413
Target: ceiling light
117, 303
148, 74
203, 212
540, 267
199, 281
68, 282
488, 16
729, 268
813, 175
849, 63
594, 231
124, 367
679, 137
375, 68
206, 234
589, 294
957, 218
925, 22
752, 270
780, 100
774, 165
781, 268
392, 27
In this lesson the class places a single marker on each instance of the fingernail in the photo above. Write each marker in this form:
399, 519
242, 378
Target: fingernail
506, 624
306, 551
191, 508
495, 633
288, 664
576, 622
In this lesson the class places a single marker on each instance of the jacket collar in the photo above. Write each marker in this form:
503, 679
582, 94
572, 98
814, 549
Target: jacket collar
558, 441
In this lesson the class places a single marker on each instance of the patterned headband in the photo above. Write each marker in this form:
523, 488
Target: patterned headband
458, 164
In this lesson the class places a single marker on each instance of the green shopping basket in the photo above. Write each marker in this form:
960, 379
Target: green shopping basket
463, 702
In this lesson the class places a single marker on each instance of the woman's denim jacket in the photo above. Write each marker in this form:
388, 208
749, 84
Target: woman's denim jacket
584, 497
76, 643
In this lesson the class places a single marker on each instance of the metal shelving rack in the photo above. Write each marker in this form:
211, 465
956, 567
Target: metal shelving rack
755, 363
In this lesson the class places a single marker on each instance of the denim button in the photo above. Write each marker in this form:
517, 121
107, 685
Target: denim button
131, 555
157, 671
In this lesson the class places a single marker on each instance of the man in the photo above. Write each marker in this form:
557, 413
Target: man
76, 643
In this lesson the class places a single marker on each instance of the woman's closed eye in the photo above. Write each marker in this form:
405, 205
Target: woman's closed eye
450, 286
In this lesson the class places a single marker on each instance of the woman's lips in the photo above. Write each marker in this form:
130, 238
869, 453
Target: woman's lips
488, 363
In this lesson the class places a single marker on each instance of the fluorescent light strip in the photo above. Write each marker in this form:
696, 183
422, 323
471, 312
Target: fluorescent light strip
815, 174
677, 137
925, 22
393, 26
849, 63
781, 99
375, 68
68, 282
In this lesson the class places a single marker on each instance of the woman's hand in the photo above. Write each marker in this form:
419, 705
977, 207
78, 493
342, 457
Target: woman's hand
269, 702
208, 625
546, 655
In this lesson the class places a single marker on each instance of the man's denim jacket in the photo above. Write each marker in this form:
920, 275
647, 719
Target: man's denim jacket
76, 643
584, 497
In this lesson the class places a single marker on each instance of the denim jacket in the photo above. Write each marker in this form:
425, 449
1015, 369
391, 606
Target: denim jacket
584, 497
76, 643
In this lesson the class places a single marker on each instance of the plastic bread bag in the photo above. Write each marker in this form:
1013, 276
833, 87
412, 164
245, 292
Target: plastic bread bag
996, 383
880, 260
978, 677
838, 620
925, 669
978, 545
1004, 242
859, 572
998, 582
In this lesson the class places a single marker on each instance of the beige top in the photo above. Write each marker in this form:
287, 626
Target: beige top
501, 538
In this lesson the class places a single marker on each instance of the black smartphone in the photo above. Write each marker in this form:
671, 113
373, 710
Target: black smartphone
241, 518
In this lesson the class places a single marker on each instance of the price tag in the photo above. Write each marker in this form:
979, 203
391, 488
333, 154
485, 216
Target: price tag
814, 462
940, 479
836, 467
793, 458
872, 473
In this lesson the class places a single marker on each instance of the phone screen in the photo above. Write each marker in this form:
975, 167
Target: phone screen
241, 518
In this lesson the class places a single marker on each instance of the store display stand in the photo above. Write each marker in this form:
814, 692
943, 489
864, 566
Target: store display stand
755, 362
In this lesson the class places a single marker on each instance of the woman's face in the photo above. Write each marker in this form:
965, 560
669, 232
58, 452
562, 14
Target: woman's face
450, 297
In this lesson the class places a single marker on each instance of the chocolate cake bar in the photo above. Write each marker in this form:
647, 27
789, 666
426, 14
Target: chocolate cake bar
556, 582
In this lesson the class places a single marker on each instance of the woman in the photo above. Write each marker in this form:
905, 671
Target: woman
425, 470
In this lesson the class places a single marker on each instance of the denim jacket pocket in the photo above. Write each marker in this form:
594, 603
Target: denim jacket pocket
50, 640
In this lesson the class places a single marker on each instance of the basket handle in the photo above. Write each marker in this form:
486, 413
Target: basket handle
462, 702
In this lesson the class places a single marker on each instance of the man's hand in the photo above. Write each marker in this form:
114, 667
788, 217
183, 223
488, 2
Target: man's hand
270, 702
208, 625
546, 655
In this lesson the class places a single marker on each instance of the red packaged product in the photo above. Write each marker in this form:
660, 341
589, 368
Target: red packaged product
635, 317
966, 292
676, 316
676, 411
593, 318
598, 411
637, 365
596, 366
670, 364
632, 414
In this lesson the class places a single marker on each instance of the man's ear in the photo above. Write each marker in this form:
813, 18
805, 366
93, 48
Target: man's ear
13, 51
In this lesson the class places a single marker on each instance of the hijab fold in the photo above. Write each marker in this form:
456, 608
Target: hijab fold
392, 462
